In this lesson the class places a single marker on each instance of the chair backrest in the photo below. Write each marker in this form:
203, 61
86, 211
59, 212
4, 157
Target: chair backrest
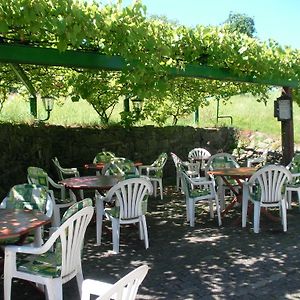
37, 175
27, 196
176, 159
160, 161
103, 157
129, 195
198, 153
221, 160
58, 168
124, 289
120, 166
68, 240
294, 165
267, 184
73, 209
186, 184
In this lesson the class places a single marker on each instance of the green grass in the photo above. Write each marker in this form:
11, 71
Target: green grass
247, 114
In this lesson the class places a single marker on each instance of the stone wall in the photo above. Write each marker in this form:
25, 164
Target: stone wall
24, 145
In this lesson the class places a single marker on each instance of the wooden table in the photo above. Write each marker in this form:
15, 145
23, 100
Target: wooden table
99, 166
100, 183
17, 223
238, 174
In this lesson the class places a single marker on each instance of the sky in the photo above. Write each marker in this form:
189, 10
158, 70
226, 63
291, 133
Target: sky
274, 19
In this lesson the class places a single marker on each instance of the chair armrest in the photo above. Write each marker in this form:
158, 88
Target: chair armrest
143, 167
54, 184
70, 171
58, 186
295, 175
200, 181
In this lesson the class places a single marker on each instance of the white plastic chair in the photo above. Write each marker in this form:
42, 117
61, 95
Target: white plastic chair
294, 185
103, 157
130, 197
258, 161
221, 160
66, 172
265, 188
192, 169
155, 172
199, 191
44, 267
199, 155
39, 176
124, 289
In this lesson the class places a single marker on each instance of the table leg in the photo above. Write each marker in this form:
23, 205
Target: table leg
99, 217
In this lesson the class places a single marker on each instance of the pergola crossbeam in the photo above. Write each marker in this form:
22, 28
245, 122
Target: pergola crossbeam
21, 54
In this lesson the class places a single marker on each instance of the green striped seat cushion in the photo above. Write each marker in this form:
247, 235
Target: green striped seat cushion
48, 264
76, 207
199, 193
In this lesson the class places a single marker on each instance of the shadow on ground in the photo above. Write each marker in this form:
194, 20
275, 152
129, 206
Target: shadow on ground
204, 262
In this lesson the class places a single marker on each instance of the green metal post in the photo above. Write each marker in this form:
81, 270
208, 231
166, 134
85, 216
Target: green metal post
33, 105
126, 105
197, 116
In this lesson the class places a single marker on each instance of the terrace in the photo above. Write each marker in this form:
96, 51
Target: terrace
204, 262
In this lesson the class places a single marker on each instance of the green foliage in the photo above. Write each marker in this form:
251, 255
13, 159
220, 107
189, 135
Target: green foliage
150, 47
103, 97
241, 23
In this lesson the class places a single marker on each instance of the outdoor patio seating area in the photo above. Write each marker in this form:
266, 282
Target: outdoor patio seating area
201, 262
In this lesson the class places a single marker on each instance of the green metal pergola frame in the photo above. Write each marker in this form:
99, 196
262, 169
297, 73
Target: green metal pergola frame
20, 54
16, 55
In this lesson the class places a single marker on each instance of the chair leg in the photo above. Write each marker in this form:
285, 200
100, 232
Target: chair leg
289, 198
79, 279
256, 217
161, 189
298, 193
145, 231
211, 208
116, 235
177, 182
99, 220
187, 210
54, 289
244, 211
141, 231
192, 212
56, 216
7, 283
283, 215
218, 211
155, 188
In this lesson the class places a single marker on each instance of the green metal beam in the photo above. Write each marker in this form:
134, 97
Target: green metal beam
26, 81
24, 78
19, 54
52, 57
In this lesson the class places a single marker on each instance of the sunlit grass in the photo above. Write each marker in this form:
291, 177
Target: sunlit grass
246, 112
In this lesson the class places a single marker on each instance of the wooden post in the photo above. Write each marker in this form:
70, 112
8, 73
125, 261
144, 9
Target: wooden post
287, 131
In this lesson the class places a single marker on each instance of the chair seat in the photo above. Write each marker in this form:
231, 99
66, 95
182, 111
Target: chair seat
47, 264
199, 193
13, 241
64, 201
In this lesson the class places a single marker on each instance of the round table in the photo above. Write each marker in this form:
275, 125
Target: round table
100, 183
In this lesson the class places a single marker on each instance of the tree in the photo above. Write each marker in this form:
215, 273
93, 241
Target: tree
241, 23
